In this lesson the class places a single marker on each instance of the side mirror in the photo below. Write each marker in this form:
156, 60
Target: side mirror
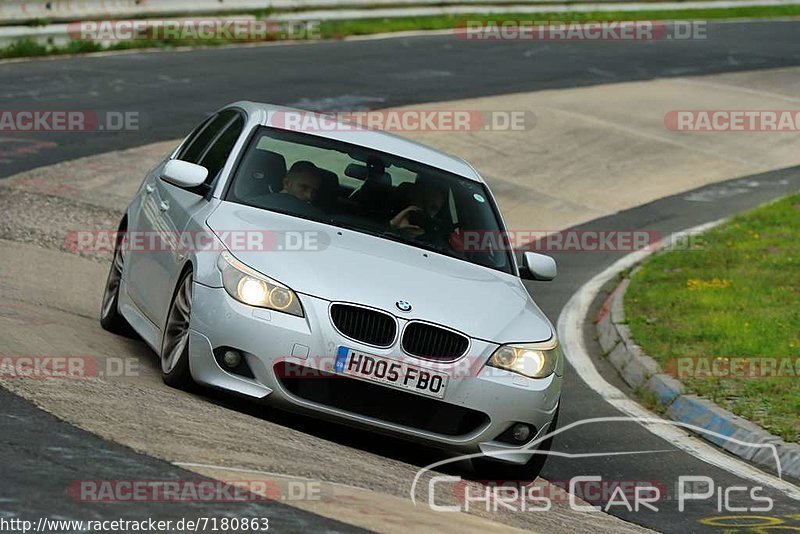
538, 267
183, 173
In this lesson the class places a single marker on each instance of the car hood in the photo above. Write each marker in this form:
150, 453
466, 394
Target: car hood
355, 267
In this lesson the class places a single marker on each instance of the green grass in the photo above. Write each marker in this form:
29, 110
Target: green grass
343, 28
735, 293
24, 48
337, 29
31, 48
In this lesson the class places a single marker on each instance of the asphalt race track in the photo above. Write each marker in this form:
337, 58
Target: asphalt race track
173, 90
42, 453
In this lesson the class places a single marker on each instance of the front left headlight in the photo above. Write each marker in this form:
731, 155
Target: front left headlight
254, 289
534, 360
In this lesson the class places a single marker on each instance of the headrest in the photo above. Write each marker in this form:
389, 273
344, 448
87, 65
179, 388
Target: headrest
330, 180
261, 173
328, 189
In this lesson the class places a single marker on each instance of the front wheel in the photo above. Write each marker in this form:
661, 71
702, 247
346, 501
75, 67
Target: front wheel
491, 469
175, 345
110, 318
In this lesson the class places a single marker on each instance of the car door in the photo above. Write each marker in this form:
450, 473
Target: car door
169, 209
144, 225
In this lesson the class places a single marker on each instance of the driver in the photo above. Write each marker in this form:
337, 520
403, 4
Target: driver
302, 181
300, 186
419, 219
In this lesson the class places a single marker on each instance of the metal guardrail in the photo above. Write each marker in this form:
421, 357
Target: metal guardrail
22, 11
25, 11
60, 33
17, 12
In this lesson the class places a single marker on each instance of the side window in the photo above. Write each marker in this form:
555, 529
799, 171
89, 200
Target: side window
193, 136
196, 147
218, 152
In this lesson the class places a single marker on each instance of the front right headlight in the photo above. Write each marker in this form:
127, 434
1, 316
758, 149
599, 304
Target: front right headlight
255, 289
534, 360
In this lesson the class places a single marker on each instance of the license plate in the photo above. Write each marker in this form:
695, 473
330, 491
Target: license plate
390, 372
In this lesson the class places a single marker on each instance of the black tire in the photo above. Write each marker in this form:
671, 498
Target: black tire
175, 342
110, 318
496, 470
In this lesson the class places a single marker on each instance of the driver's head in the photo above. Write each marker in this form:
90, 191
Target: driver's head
429, 196
302, 181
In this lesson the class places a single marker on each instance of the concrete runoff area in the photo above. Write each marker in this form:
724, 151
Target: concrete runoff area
597, 150
545, 178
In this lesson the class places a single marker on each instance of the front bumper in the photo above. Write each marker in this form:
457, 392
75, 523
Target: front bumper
486, 401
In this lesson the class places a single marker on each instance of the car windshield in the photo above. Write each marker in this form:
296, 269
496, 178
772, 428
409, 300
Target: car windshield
370, 192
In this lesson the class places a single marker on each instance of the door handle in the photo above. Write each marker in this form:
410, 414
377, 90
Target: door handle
149, 188
164, 206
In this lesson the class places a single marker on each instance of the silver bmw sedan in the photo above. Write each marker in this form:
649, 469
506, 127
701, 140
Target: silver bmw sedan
345, 273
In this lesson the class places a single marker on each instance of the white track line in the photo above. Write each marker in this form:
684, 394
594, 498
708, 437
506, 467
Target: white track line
570, 330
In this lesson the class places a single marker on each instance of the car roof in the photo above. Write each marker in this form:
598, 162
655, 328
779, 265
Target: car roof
369, 138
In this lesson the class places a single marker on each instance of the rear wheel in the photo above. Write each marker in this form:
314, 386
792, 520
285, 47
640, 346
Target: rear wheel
175, 345
110, 318
490, 469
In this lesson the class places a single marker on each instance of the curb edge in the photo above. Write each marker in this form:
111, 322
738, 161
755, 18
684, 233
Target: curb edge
640, 371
